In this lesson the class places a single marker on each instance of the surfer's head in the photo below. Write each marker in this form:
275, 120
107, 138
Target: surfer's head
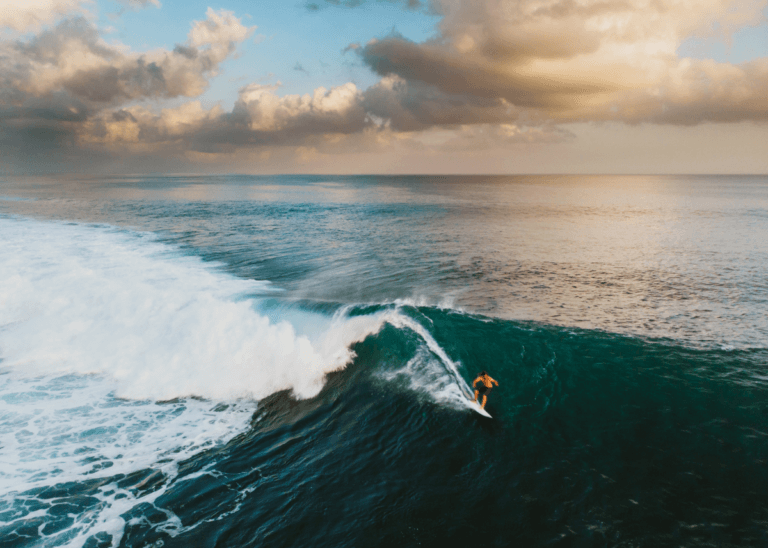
483, 373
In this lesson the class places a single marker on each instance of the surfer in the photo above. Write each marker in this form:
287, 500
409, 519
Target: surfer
486, 383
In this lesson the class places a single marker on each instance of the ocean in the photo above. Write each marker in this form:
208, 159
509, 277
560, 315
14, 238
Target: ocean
286, 361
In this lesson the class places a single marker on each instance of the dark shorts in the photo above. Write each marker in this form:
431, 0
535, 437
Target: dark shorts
482, 389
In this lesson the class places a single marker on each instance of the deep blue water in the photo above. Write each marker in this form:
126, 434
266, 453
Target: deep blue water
285, 361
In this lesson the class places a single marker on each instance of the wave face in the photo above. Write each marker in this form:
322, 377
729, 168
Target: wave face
193, 383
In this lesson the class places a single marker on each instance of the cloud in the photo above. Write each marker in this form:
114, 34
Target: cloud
337, 110
499, 73
262, 118
142, 129
31, 14
698, 91
590, 60
28, 15
496, 136
415, 106
72, 57
220, 29
140, 4
60, 85
315, 6
259, 118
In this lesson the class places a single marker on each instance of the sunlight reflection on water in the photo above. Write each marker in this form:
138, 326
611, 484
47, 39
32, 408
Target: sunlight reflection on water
660, 256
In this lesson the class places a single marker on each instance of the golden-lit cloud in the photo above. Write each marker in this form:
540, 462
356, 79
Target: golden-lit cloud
569, 61
137, 4
324, 119
31, 14
73, 58
413, 105
337, 110
138, 126
66, 86
498, 73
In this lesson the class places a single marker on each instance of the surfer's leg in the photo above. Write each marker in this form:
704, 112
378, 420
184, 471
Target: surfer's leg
485, 398
475, 396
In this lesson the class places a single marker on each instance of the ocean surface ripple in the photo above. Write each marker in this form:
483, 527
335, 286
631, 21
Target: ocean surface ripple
286, 361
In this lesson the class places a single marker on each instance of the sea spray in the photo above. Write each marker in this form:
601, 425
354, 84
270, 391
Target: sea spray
161, 324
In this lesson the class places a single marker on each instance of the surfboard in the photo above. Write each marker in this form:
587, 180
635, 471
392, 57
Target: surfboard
475, 405
478, 409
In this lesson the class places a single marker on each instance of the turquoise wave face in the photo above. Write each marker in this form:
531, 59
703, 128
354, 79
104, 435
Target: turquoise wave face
596, 439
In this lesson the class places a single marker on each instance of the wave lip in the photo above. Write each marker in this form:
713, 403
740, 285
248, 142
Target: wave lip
89, 299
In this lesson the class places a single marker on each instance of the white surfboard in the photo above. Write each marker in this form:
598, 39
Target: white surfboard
477, 408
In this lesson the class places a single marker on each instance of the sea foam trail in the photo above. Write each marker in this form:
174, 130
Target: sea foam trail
71, 430
431, 371
93, 299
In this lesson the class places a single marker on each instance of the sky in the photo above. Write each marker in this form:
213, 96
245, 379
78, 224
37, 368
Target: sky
383, 86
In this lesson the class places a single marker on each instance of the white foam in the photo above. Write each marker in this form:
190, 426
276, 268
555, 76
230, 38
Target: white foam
431, 371
98, 324
84, 299
73, 429
446, 301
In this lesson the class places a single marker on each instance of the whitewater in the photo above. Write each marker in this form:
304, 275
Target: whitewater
120, 353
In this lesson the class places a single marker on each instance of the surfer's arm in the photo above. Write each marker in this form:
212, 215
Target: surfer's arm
494, 381
475, 382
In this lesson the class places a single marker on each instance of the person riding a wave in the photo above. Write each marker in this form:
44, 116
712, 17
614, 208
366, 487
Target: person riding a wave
486, 383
